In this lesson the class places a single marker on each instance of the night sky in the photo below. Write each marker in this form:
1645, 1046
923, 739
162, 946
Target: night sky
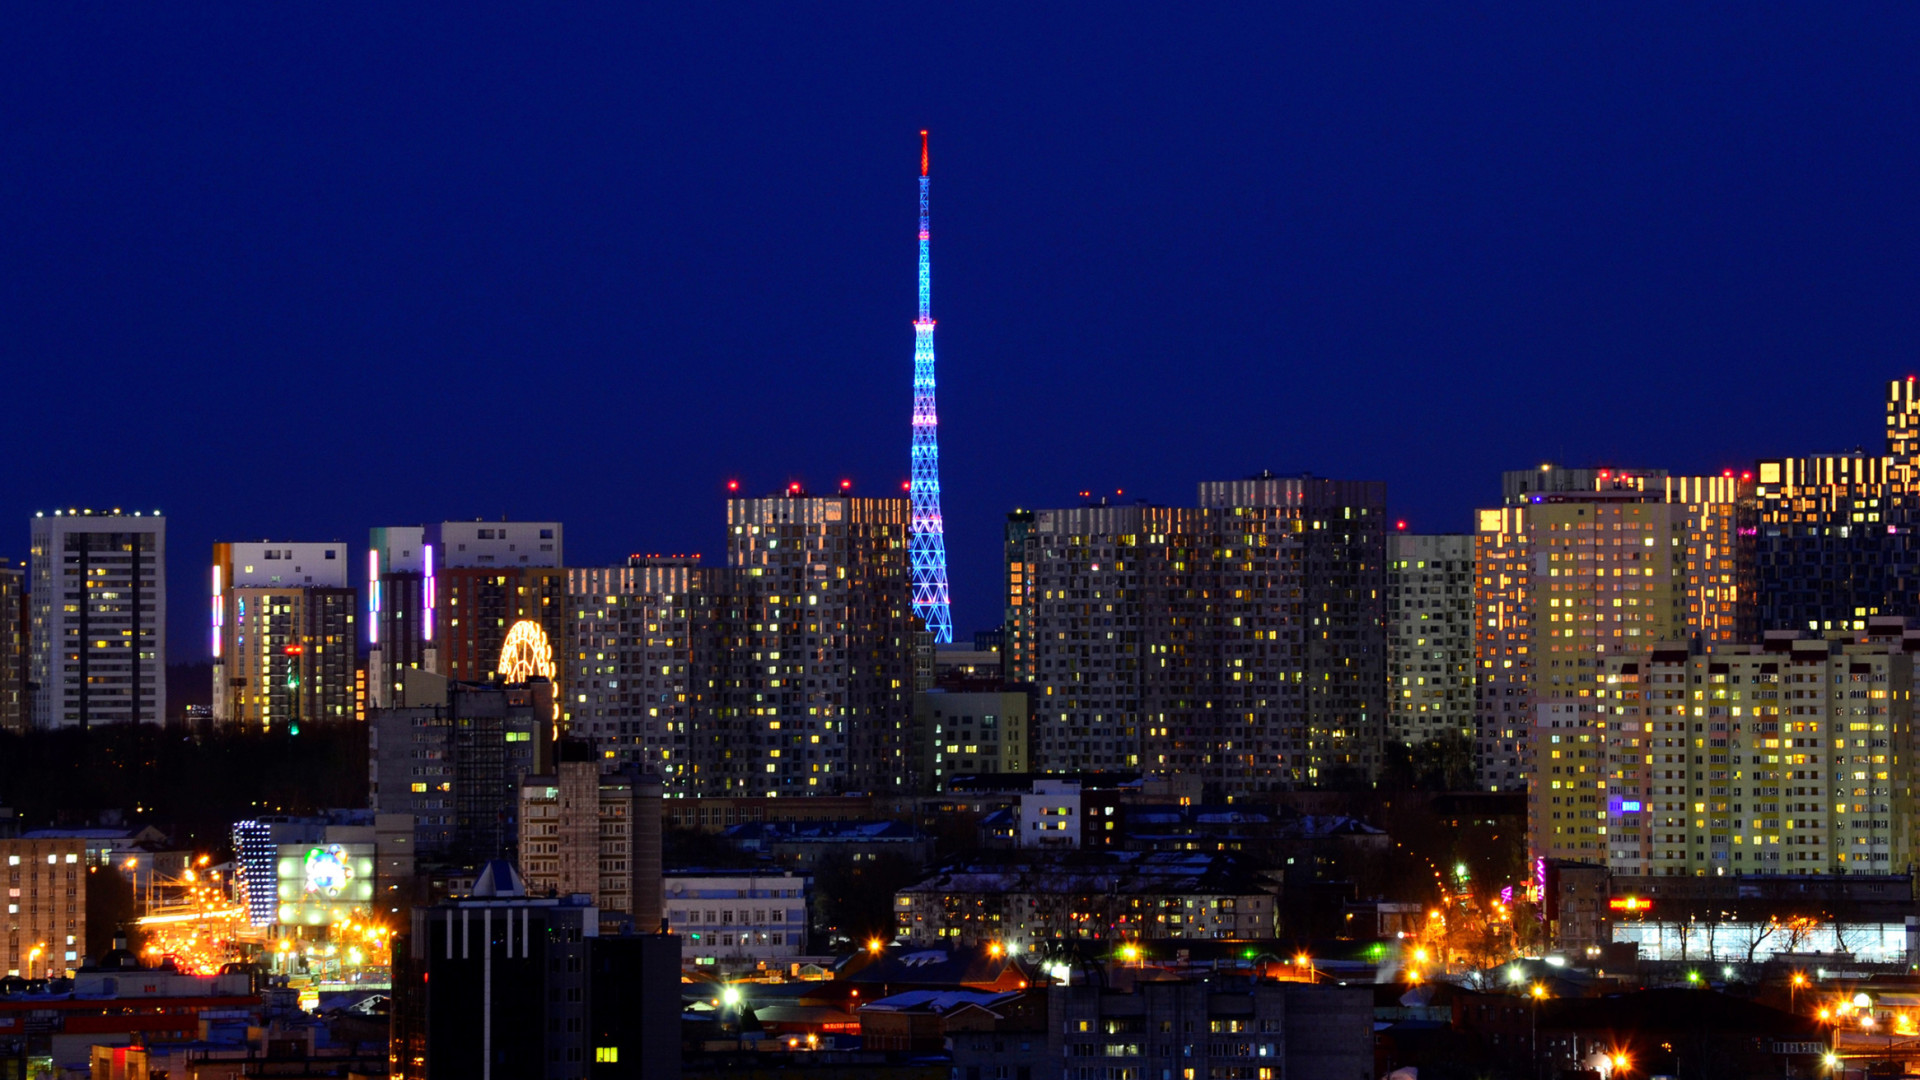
291, 270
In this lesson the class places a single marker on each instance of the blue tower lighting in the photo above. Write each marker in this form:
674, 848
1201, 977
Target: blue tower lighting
927, 545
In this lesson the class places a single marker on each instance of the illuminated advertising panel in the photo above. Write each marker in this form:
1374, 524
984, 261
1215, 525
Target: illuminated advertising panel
321, 884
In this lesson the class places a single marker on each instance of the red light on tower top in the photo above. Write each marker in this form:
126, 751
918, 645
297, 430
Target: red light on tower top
923, 153
733, 485
1401, 525
793, 488
846, 485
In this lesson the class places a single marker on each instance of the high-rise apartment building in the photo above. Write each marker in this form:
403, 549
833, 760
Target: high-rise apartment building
1343, 542
99, 622
1503, 628
1503, 618
1788, 757
1017, 647
1711, 562
446, 598
1827, 541
1242, 641
284, 640
1430, 662
400, 606
15, 621
1608, 578
641, 644
1510, 579
814, 650
455, 760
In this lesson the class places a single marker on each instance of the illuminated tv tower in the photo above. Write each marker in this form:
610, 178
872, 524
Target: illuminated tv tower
927, 545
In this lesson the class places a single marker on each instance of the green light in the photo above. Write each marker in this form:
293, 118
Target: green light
1250, 954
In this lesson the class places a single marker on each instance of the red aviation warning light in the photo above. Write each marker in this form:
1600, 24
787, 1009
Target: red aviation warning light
294, 650
846, 485
733, 485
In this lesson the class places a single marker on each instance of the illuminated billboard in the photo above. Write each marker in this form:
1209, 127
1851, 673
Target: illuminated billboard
320, 884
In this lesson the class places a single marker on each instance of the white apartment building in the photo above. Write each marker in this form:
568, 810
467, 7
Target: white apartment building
736, 918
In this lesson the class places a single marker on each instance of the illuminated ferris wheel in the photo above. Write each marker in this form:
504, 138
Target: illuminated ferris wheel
527, 654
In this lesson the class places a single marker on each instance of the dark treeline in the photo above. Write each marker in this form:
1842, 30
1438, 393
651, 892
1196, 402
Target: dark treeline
197, 788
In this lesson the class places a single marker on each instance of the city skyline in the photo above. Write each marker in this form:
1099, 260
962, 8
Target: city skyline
1346, 255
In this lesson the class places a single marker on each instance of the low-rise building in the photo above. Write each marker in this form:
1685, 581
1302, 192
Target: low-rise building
733, 918
116, 1003
922, 1021
714, 813
969, 725
1023, 900
806, 846
1210, 1025
46, 905
1049, 815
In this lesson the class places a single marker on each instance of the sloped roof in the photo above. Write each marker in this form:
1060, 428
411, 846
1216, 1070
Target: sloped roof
938, 1001
946, 967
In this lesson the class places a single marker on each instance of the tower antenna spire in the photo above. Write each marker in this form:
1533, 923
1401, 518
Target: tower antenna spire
927, 542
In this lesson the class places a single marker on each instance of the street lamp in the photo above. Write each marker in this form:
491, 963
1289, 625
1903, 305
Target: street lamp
1866, 1028
1537, 992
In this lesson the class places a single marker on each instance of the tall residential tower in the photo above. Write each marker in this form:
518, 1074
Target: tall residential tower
99, 603
283, 635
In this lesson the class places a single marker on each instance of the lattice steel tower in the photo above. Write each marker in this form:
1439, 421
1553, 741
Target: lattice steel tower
928, 543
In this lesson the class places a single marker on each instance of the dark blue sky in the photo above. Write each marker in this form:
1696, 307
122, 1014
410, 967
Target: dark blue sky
292, 270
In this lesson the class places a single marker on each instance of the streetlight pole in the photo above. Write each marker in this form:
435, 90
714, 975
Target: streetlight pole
1533, 1040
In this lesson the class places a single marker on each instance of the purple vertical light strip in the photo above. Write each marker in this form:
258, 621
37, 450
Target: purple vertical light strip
426, 594
219, 612
373, 596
